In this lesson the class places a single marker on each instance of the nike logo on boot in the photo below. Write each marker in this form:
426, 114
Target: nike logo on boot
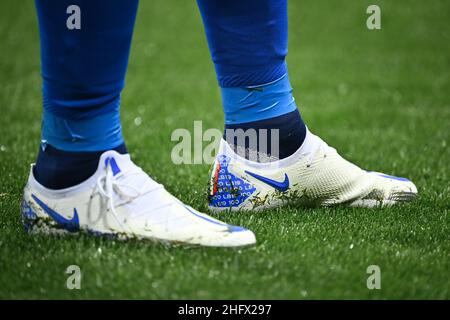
282, 186
71, 225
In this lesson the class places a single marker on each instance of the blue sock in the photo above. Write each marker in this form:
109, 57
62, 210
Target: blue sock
58, 169
248, 45
84, 55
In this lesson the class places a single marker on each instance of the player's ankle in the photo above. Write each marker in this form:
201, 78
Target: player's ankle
267, 112
283, 136
73, 141
59, 169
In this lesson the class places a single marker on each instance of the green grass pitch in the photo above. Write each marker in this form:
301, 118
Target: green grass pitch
381, 97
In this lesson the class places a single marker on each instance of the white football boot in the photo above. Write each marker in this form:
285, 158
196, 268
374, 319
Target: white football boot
121, 200
315, 175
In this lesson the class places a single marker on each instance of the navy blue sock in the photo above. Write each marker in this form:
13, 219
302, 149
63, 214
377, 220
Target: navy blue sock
291, 134
258, 111
58, 169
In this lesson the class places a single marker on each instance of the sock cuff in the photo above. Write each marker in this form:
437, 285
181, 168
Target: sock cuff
230, 76
98, 133
255, 103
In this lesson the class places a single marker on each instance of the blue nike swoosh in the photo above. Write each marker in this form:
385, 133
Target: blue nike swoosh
282, 186
230, 227
389, 177
71, 225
